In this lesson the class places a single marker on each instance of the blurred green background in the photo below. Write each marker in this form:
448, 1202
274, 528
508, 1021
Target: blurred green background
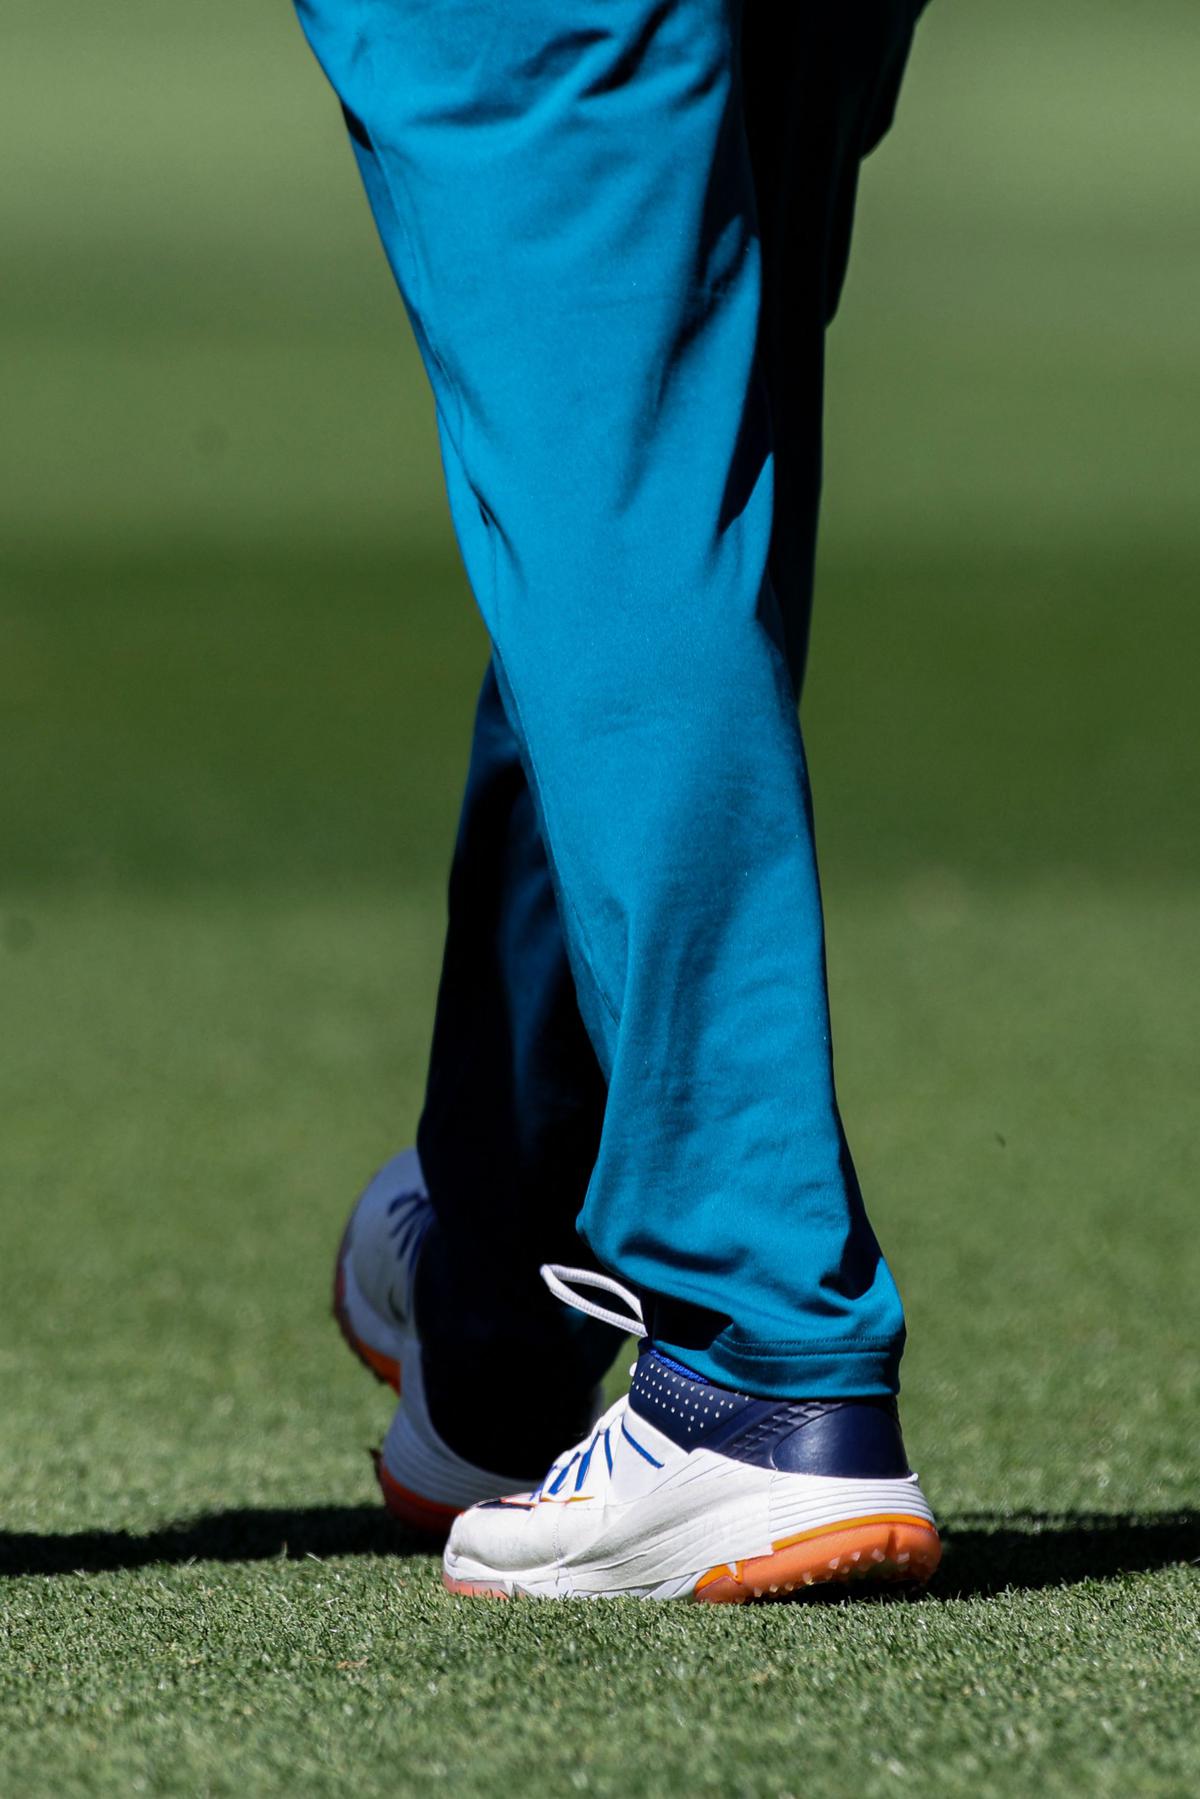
237, 643
237, 667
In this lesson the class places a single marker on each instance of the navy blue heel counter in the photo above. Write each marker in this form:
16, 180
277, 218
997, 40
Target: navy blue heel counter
856, 1440
847, 1439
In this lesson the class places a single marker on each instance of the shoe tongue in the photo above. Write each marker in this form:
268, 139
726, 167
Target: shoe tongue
666, 1361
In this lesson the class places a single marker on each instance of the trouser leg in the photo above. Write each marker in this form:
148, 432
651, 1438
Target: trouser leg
819, 89
514, 1102
570, 209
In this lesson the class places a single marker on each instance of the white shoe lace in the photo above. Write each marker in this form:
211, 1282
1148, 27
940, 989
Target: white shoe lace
630, 1323
556, 1278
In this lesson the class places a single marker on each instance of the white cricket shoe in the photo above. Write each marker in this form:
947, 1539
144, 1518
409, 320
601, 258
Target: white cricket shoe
685, 1490
424, 1483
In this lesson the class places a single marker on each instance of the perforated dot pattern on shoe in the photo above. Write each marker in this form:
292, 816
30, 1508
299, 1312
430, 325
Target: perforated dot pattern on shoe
691, 1411
683, 1406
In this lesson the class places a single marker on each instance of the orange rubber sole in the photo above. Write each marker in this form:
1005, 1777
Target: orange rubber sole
473, 1589
891, 1549
895, 1550
384, 1368
411, 1508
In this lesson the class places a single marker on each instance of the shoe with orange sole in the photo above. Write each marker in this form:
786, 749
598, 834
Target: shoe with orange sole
425, 1484
685, 1490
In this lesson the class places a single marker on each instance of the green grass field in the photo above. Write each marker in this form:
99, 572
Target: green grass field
237, 663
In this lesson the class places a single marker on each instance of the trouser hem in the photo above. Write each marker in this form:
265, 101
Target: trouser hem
831, 1370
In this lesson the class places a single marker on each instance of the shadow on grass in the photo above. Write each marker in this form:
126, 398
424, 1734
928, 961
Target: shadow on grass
1028, 1551
1024, 1552
255, 1534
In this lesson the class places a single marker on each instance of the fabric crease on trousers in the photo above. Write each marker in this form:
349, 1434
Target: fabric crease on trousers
620, 228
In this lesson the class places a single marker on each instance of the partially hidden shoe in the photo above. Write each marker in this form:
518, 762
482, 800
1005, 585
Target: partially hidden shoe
424, 1482
685, 1490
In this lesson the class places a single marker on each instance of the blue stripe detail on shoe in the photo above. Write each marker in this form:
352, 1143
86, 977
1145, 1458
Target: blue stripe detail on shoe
585, 1463
562, 1474
678, 1368
653, 1460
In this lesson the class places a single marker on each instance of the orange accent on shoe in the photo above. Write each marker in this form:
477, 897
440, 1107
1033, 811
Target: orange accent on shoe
474, 1589
412, 1508
384, 1367
726, 1571
886, 1548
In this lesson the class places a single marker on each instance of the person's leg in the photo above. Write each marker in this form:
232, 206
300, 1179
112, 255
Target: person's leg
515, 1098
510, 1128
820, 85
570, 211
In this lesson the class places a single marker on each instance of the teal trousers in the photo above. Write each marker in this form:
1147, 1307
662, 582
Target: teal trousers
620, 228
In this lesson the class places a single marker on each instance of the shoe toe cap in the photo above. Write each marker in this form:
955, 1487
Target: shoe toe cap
503, 1534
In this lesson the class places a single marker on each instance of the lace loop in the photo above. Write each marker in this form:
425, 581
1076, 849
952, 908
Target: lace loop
556, 1278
